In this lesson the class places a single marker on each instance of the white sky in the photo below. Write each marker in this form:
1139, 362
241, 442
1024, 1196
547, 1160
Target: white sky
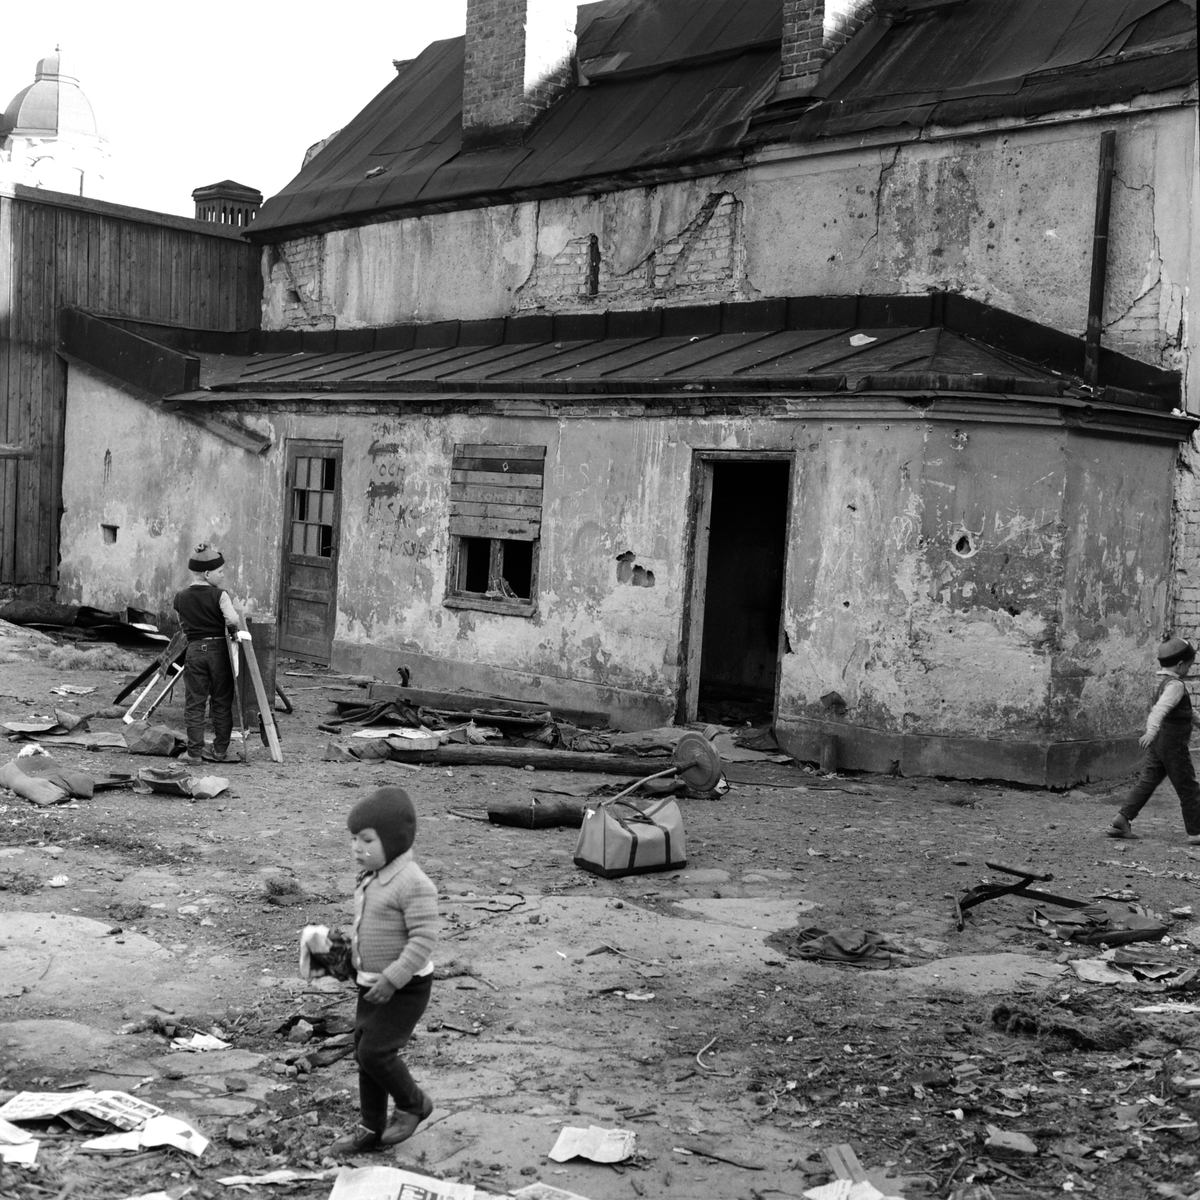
192, 94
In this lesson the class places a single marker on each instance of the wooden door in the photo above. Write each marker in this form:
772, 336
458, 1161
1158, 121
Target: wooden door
308, 583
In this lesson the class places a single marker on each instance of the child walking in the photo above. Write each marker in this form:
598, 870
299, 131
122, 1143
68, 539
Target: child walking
205, 611
1168, 728
395, 930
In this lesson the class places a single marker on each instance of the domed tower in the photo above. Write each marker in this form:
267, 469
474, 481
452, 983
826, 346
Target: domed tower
49, 137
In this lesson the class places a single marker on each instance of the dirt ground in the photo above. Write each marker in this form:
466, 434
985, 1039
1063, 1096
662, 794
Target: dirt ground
669, 1004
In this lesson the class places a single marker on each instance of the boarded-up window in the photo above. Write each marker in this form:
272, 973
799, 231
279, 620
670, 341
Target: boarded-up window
495, 526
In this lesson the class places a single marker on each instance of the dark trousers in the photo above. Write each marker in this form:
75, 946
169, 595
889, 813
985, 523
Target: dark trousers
380, 1032
207, 676
1167, 757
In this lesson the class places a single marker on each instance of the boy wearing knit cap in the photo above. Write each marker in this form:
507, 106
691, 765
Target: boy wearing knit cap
205, 611
395, 930
1168, 728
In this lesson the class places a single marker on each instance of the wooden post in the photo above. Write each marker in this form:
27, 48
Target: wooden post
263, 639
1091, 353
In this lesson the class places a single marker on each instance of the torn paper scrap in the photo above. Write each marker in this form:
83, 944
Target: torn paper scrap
594, 1143
13, 1135
389, 1183
199, 1041
117, 1108
22, 1155
283, 1175
847, 1189
157, 1131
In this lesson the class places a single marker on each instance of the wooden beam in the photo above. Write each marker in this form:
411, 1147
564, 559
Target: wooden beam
7, 451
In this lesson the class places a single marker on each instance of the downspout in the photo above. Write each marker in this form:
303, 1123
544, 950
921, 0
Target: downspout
1091, 352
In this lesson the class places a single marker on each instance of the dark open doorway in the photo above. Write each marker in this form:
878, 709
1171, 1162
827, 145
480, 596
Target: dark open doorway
743, 590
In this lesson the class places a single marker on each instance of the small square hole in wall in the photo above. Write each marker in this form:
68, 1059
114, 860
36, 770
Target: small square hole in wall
110, 534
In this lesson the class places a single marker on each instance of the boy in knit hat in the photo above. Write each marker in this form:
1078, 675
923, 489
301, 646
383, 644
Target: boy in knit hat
205, 610
1168, 728
395, 930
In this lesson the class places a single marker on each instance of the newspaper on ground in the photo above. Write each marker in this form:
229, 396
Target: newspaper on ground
13, 1135
157, 1131
117, 1108
283, 1175
544, 1191
595, 1143
389, 1183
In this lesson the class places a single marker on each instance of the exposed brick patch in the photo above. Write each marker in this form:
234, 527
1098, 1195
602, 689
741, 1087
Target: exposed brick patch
701, 264
814, 30
297, 276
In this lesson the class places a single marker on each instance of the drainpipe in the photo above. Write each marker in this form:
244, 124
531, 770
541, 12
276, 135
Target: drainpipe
1091, 353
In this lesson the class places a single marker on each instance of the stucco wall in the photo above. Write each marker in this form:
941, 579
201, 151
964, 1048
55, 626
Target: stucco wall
948, 577
1004, 217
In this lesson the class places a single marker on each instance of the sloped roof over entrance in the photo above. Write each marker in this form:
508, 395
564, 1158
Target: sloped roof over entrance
671, 87
752, 356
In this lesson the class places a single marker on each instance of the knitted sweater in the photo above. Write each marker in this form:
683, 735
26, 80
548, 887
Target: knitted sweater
395, 922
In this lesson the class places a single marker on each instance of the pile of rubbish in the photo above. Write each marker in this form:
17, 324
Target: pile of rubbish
419, 726
82, 623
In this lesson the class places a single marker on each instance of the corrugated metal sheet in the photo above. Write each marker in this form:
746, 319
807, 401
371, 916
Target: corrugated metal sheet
679, 82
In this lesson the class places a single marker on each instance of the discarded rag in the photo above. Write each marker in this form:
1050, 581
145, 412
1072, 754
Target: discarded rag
857, 947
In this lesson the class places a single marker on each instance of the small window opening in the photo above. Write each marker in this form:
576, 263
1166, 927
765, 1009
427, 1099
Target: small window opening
518, 567
474, 564
110, 534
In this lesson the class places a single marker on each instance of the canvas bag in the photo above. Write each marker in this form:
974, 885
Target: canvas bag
621, 837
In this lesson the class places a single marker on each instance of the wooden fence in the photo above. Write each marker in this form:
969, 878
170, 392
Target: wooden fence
61, 251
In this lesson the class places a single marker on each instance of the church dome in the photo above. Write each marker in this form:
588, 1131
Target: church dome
52, 106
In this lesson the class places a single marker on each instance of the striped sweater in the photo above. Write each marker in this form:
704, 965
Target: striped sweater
395, 922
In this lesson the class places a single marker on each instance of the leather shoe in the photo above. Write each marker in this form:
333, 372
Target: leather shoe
1120, 828
357, 1141
404, 1124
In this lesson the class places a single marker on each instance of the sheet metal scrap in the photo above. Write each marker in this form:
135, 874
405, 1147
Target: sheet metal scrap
991, 891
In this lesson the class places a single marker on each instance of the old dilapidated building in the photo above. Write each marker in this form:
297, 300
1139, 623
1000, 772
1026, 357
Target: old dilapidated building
672, 351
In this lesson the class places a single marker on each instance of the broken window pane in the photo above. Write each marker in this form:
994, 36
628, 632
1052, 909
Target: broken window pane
518, 567
474, 557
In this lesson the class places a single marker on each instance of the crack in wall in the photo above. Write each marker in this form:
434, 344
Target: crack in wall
884, 169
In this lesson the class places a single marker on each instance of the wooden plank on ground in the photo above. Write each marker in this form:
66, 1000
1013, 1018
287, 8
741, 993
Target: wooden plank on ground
453, 755
476, 702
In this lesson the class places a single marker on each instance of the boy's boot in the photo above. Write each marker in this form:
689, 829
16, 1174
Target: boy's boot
359, 1140
1120, 828
404, 1124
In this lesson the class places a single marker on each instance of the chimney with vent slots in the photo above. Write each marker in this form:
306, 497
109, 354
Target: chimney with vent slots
813, 31
518, 62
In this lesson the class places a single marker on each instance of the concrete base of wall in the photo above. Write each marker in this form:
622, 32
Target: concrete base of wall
1046, 764
627, 710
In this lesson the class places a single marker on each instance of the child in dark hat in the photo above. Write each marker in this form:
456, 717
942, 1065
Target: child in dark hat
205, 610
395, 930
1168, 728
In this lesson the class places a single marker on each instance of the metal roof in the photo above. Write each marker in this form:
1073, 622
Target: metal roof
899, 344
679, 86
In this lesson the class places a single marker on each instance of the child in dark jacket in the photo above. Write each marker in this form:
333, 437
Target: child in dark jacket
395, 931
1168, 730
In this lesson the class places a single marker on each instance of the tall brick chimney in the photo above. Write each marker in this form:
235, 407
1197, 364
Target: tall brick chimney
813, 31
518, 62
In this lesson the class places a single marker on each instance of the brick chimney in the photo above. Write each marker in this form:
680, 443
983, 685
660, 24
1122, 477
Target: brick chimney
813, 31
518, 62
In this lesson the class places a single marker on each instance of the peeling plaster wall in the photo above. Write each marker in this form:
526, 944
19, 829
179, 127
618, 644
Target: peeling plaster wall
950, 579
200, 489
1005, 218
